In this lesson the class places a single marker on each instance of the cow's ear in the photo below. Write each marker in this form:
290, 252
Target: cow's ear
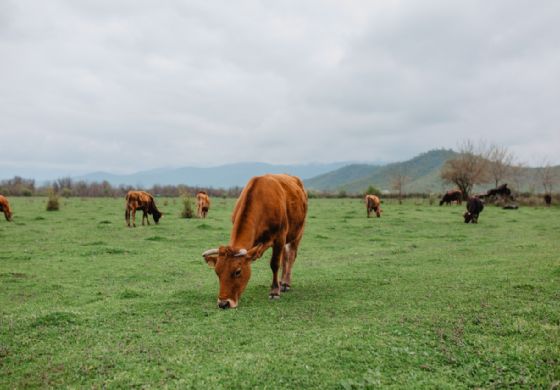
211, 256
211, 260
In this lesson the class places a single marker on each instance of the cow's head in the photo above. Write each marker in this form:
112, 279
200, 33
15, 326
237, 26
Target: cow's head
468, 217
157, 216
233, 267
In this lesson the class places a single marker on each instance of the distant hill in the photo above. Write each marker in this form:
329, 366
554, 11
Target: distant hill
423, 171
224, 176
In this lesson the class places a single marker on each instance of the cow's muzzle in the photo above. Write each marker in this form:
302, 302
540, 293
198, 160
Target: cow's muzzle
226, 303
223, 304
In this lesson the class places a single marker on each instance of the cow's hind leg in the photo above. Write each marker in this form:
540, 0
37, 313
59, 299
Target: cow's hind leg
277, 254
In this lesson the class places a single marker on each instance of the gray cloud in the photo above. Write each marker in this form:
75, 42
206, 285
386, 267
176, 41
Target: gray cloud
124, 86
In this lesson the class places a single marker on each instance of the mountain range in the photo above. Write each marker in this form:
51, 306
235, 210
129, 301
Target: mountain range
422, 172
224, 176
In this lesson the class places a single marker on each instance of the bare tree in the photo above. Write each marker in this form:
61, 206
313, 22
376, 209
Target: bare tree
399, 180
469, 168
517, 174
500, 162
547, 176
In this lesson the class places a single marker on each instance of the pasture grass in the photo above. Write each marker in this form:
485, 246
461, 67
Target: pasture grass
413, 299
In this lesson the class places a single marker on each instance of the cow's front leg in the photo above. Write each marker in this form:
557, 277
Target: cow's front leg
134, 217
277, 250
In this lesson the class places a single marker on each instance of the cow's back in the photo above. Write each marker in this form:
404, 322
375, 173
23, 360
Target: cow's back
271, 202
141, 197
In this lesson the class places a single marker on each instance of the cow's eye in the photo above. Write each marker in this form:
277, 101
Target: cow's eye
237, 273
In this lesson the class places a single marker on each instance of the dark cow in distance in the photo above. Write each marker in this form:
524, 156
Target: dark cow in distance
450, 196
270, 212
373, 204
140, 200
547, 199
203, 204
474, 208
5, 208
502, 190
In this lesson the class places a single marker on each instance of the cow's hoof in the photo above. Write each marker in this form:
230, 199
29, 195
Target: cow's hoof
274, 296
285, 287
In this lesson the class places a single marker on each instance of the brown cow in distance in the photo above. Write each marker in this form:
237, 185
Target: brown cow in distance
5, 208
373, 204
203, 204
450, 196
270, 212
140, 200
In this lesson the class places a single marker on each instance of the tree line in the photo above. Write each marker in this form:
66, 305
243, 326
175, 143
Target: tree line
67, 187
494, 165
474, 165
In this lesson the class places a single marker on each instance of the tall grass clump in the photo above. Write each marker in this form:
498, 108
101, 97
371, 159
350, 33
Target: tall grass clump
187, 211
52, 203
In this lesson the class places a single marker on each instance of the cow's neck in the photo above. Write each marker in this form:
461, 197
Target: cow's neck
243, 235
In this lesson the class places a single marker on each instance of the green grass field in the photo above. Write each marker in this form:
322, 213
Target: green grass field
414, 299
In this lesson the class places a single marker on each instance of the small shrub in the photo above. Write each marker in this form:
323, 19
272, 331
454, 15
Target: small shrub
371, 190
312, 195
432, 199
53, 203
187, 208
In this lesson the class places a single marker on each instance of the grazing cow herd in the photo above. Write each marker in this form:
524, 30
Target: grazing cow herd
373, 204
269, 213
474, 208
5, 208
203, 204
141, 200
452, 196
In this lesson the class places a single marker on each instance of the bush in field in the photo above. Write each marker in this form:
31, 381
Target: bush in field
431, 199
187, 208
371, 190
53, 203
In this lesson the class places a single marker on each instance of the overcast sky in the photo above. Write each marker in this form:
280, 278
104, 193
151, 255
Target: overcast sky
124, 86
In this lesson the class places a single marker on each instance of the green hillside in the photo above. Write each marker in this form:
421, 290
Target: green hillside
423, 171
339, 178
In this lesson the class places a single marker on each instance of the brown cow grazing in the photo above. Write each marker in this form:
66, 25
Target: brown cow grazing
270, 212
140, 200
5, 208
547, 199
373, 204
474, 208
203, 203
450, 196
